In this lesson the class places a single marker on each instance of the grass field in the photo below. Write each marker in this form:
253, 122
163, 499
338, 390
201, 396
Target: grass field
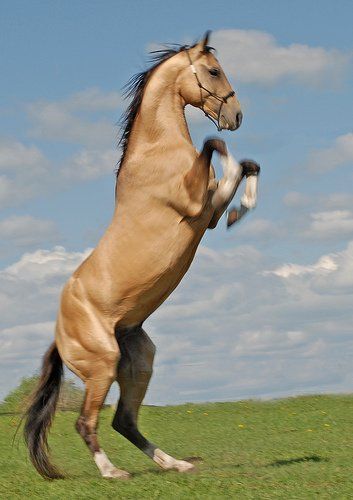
295, 448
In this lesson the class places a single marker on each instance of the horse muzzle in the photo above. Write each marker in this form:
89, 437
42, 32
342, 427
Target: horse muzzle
233, 123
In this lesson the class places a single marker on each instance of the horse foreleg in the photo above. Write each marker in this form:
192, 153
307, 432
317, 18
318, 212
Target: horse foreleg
134, 373
233, 173
227, 186
191, 193
251, 171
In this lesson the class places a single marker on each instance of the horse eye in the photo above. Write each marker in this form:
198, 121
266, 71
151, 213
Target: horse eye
214, 72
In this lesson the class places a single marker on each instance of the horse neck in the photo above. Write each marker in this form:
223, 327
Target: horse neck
161, 116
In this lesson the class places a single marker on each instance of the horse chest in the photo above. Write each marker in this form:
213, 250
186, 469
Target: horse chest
163, 269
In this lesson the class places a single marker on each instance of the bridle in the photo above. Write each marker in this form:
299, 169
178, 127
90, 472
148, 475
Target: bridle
222, 100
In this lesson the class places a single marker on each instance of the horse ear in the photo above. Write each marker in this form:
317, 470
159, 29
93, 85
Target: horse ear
204, 41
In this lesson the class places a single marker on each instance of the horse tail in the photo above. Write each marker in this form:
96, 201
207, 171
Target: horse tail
40, 413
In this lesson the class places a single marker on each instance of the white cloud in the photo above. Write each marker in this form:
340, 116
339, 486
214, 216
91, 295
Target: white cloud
52, 122
90, 164
43, 265
80, 119
24, 172
73, 120
330, 224
93, 99
319, 217
294, 199
23, 230
339, 154
252, 56
21, 350
252, 334
16, 156
29, 297
325, 264
343, 279
229, 331
331, 274
258, 228
336, 201
20, 343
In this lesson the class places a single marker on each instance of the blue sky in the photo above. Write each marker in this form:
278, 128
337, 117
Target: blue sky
275, 317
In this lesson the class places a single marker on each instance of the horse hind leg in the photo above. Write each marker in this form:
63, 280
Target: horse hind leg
86, 425
134, 373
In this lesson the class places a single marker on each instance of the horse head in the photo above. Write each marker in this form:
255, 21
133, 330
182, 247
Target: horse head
203, 84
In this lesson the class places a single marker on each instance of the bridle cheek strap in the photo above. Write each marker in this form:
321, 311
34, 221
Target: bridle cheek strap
222, 100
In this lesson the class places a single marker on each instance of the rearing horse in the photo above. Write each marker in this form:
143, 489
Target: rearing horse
166, 198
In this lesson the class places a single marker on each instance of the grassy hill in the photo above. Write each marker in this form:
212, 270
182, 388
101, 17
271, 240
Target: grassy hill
71, 396
299, 448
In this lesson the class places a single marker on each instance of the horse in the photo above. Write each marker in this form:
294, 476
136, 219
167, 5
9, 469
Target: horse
167, 195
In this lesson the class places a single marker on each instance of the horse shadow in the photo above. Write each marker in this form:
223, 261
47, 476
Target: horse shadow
297, 460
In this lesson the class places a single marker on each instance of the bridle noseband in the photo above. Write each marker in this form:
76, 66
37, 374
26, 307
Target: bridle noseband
222, 100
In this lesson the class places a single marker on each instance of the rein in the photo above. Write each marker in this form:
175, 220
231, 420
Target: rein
221, 99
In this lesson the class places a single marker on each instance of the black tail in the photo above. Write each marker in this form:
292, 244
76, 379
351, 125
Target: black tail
40, 413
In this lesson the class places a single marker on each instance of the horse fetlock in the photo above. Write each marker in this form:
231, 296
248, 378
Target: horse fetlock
88, 434
80, 426
250, 167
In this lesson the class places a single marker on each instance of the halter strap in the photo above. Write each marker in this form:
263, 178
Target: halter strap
222, 99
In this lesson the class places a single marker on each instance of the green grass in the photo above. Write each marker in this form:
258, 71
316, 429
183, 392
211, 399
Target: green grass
298, 448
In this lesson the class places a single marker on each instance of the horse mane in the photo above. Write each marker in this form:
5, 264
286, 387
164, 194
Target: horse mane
134, 89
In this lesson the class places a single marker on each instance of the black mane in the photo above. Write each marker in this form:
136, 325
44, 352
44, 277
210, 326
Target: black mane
134, 89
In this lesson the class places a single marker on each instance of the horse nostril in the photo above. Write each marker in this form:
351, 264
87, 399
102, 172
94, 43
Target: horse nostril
239, 118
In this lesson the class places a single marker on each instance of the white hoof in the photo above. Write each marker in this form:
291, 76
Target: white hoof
107, 469
169, 463
116, 474
182, 466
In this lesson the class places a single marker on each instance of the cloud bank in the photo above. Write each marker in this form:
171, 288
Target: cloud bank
251, 56
233, 329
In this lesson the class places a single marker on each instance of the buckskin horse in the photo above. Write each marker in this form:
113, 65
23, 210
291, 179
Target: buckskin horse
166, 197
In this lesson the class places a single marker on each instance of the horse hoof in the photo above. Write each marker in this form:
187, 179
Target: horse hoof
183, 466
233, 216
117, 474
